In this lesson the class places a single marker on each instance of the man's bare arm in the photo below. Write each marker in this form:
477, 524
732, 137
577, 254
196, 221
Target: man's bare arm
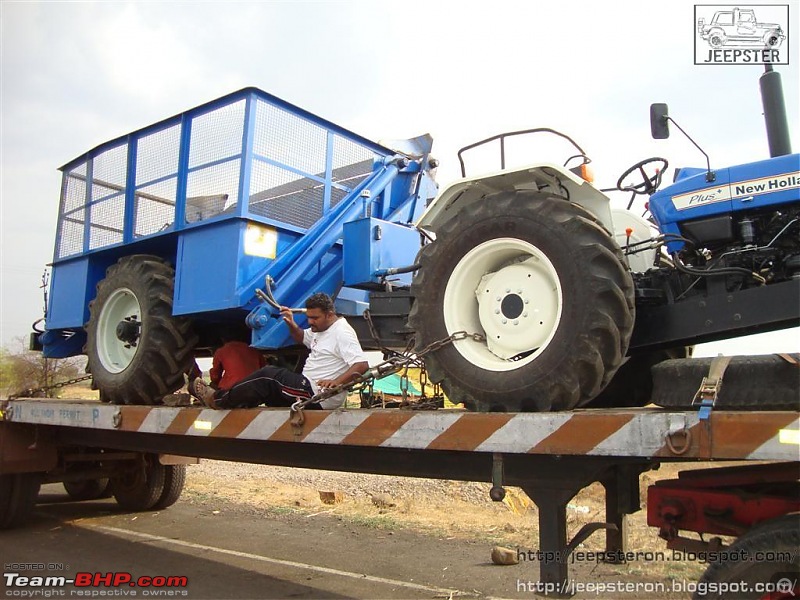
294, 330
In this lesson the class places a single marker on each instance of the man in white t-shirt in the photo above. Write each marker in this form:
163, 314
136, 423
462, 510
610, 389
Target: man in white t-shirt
336, 358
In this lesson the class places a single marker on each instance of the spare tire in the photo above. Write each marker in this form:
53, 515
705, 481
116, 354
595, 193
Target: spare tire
767, 382
545, 286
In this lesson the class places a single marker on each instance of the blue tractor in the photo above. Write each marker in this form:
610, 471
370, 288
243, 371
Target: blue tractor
536, 294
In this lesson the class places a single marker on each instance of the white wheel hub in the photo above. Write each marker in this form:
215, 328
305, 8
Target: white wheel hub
118, 330
508, 290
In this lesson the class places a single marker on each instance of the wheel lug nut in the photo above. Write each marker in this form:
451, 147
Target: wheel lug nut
497, 311
525, 315
505, 321
516, 322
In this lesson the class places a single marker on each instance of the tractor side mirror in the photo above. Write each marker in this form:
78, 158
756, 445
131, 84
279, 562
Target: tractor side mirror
659, 121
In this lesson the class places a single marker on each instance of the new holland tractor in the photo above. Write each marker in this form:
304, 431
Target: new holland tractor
533, 291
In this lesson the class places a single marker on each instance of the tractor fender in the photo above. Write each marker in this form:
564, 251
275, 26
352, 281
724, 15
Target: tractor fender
542, 177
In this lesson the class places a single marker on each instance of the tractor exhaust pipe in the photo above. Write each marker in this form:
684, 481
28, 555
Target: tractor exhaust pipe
775, 113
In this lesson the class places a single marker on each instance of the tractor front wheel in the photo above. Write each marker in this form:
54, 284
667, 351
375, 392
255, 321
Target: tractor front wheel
544, 285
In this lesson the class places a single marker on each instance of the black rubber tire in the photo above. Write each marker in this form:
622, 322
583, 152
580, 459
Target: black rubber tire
18, 493
165, 345
776, 536
749, 383
632, 384
174, 480
87, 489
592, 336
142, 487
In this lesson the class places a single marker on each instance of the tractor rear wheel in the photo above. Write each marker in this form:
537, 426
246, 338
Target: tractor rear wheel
544, 284
137, 351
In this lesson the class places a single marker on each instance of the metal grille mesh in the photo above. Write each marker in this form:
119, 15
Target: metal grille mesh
73, 213
154, 207
212, 191
107, 211
217, 135
154, 202
285, 196
286, 138
214, 188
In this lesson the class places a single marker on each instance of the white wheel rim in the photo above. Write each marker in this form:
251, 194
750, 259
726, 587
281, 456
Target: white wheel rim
508, 290
115, 355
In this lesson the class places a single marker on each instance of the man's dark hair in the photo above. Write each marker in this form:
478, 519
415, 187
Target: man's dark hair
321, 301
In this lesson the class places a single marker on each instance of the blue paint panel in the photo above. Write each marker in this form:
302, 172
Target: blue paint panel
69, 297
371, 245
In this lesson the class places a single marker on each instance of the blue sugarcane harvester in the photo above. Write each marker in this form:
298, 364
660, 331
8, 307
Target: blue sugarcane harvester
201, 222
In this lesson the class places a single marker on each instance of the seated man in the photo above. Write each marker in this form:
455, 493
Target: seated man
336, 357
233, 361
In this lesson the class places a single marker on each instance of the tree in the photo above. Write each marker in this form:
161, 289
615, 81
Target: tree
23, 369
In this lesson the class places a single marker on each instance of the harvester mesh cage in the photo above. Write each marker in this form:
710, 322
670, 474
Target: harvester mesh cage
247, 155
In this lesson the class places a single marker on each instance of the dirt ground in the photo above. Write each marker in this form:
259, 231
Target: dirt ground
443, 509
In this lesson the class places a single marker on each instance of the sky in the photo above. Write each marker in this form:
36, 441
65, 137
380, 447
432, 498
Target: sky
74, 75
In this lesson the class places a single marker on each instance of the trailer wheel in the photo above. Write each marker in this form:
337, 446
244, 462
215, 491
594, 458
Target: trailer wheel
88, 489
545, 285
18, 494
632, 384
137, 351
769, 556
141, 487
174, 480
749, 383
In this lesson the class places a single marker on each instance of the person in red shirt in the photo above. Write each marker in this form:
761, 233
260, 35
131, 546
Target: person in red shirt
234, 361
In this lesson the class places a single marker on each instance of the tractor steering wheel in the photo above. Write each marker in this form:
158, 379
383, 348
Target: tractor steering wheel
649, 183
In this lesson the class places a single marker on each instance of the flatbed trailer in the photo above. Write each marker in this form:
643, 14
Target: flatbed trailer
551, 456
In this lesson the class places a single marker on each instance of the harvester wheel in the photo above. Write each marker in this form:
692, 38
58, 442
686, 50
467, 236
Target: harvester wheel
138, 352
545, 285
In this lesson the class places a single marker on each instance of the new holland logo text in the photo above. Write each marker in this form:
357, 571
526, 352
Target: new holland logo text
742, 191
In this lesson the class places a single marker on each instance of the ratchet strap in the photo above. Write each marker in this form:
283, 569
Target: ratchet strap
706, 396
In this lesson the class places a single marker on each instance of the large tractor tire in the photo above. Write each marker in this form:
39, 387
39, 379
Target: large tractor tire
138, 352
545, 285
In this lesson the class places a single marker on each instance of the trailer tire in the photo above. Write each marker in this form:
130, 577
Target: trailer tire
142, 486
749, 383
174, 480
570, 283
137, 351
632, 384
87, 489
776, 536
18, 492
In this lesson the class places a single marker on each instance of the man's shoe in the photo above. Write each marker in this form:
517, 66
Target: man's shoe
203, 392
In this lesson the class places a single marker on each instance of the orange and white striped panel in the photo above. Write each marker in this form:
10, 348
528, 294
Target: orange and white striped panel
633, 432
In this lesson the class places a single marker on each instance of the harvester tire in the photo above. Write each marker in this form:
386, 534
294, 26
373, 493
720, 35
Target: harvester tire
558, 309
137, 351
